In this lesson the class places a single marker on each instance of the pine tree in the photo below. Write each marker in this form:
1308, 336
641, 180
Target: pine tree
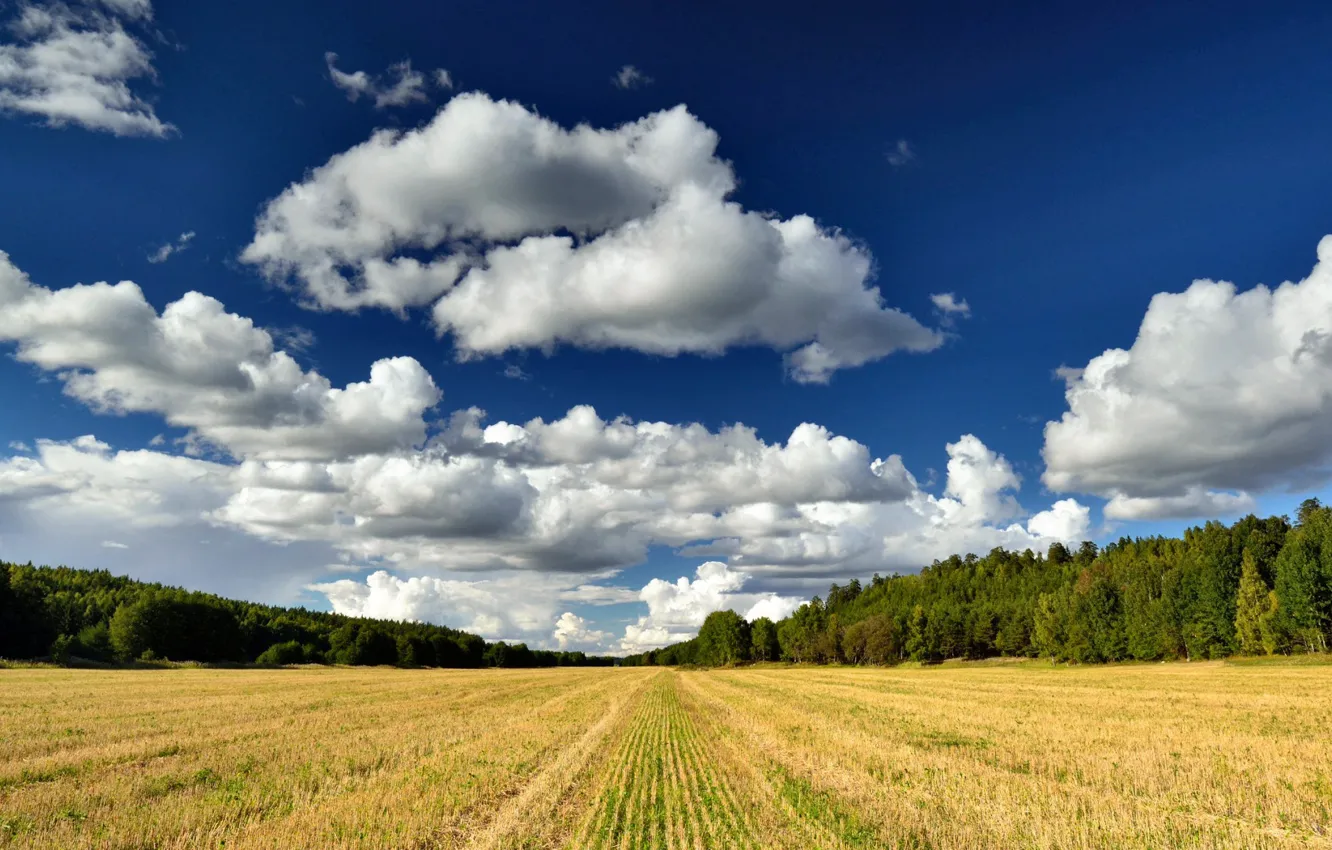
1250, 605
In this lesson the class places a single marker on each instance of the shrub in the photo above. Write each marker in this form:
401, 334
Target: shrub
60, 650
287, 652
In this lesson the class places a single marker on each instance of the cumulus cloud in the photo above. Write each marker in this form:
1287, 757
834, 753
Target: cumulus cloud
574, 494
573, 632
398, 86
677, 609
630, 77
162, 254
84, 480
535, 236
1223, 394
821, 539
546, 510
506, 606
72, 64
206, 370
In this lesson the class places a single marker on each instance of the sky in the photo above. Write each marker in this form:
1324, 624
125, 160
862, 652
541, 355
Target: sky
572, 325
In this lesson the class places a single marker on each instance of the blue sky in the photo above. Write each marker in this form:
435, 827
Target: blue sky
1049, 166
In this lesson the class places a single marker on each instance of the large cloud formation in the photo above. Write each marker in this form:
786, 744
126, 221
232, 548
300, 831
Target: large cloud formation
207, 370
524, 234
72, 63
504, 525
1223, 394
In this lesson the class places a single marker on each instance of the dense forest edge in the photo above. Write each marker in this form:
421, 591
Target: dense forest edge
1258, 587
77, 617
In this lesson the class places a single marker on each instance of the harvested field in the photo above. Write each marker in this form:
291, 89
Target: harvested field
1016, 755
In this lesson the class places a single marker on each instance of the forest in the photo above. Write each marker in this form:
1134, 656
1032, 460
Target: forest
79, 616
1258, 587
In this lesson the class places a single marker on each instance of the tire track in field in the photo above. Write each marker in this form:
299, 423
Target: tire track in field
513, 824
810, 816
666, 789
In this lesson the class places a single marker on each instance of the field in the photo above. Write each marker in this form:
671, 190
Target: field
1015, 755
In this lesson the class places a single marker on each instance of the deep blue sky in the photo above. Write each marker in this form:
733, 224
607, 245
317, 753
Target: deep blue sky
1071, 161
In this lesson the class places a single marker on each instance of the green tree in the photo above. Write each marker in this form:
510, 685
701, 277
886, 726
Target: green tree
1304, 579
916, 646
873, 640
1272, 627
60, 650
1250, 606
724, 639
1049, 624
177, 627
763, 642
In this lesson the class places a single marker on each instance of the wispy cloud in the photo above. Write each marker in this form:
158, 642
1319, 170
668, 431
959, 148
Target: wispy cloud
111, 544
400, 85
901, 154
294, 338
950, 308
630, 77
161, 255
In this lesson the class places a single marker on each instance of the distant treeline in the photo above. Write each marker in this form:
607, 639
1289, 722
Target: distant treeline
63, 614
1260, 586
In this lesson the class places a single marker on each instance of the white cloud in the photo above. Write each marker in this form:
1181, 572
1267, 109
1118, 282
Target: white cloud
546, 510
20, 446
1223, 394
572, 632
83, 480
1194, 502
162, 254
504, 606
950, 305
630, 77
293, 338
597, 594
443, 79
206, 370
980, 482
574, 494
538, 236
832, 539
73, 64
73, 499
900, 154
677, 609
1066, 520
398, 86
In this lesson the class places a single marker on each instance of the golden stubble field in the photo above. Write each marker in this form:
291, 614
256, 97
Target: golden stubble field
1017, 755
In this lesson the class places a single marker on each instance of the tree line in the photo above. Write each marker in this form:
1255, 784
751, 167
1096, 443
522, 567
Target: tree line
1259, 586
66, 614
